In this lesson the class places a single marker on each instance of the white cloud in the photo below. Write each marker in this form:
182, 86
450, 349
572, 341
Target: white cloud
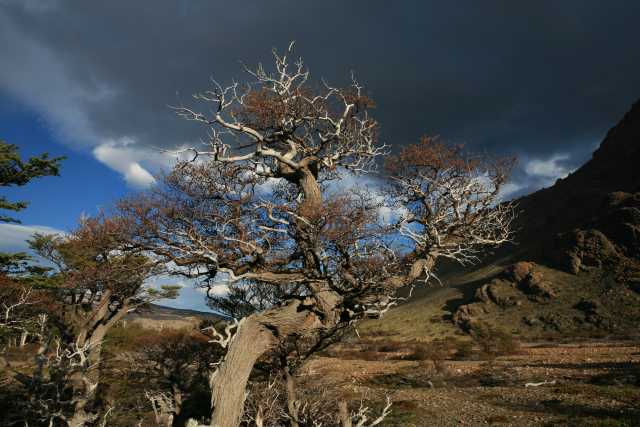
64, 103
124, 156
551, 168
13, 237
217, 290
508, 190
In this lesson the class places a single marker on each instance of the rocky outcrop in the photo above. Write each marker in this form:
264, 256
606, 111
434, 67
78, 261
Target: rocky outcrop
587, 224
519, 281
466, 314
611, 236
583, 250
620, 222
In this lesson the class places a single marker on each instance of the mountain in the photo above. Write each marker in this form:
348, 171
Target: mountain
602, 194
573, 271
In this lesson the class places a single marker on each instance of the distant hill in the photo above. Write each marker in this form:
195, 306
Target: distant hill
575, 270
161, 317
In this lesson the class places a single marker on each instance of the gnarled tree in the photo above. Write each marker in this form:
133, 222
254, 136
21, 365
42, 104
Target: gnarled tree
253, 210
97, 280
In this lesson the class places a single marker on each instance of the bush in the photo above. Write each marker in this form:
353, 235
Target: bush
464, 350
392, 347
437, 351
493, 341
126, 338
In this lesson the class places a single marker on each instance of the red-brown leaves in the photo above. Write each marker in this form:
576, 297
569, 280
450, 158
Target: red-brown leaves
432, 155
360, 102
452, 199
265, 110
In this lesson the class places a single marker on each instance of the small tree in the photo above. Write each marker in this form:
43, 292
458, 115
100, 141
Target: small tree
15, 172
324, 257
177, 364
97, 282
17, 298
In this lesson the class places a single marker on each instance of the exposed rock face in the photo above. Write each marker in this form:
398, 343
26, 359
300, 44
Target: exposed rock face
519, 271
583, 250
614, 234
519, 281
467, 314
620, 221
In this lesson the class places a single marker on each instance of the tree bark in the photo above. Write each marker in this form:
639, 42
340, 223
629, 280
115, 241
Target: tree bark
310, 189
256, 335
292, 399
86, 379
344, 415
230, 380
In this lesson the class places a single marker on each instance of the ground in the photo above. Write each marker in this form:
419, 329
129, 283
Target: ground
589, 383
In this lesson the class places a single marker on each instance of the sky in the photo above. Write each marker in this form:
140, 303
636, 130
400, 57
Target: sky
93, 81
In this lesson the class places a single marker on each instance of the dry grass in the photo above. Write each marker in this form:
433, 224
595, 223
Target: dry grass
596, 384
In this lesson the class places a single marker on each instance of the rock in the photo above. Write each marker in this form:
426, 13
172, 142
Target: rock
582, 250
619, 220
592, 311
482, 294
519, 271
502, 293
529, 281
536, 287
534, 278
499, 292
542, 290
467, 314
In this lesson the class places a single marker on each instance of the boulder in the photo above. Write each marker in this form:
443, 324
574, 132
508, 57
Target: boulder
582, 250
502, 293
466, 314
519, 271
541, 290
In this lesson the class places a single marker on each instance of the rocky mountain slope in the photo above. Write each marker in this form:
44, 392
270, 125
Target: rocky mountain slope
575, 270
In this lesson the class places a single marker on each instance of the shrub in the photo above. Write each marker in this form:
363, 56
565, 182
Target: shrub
493, 341
437, 351
464, 350
392, 347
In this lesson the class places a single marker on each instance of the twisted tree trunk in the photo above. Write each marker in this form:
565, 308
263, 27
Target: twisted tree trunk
256, 335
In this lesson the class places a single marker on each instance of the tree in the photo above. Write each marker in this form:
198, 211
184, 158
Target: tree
97, 282
324, 255
450, 199
15, 172
180, 361
17, 299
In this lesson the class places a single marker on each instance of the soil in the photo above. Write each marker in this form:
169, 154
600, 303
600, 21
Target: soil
588, 383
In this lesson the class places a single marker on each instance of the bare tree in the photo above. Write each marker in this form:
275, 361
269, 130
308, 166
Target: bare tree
16, 317
324, 256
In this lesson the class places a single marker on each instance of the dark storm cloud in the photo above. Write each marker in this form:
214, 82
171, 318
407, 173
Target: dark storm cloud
543, 80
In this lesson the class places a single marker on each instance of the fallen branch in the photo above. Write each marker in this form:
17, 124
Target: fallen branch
540, 383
